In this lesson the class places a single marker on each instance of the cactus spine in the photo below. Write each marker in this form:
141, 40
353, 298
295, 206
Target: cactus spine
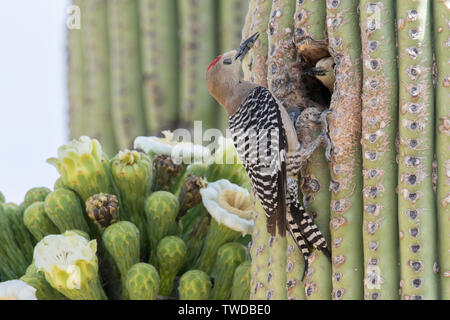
96, 73
160, 66
416, 201
126, 88
379, 101
198, 49
441, 11
345, 133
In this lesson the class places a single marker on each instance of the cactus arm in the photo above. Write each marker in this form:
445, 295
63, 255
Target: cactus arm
441, 35
416, 201
96, 85
248, 23
295, 265
126, 89
198, 49
380, 102
345, 134
316, 195
75, 78
160, 66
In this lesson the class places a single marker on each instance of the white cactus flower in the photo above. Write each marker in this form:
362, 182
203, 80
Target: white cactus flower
83, 145
229, 204
16, 290
155, 144
58, 255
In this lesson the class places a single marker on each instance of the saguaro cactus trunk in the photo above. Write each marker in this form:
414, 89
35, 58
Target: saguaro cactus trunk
345, 133
416, 199
441, 10
379, 128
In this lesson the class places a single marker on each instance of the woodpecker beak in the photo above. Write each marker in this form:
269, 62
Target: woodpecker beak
313, 72
246, 46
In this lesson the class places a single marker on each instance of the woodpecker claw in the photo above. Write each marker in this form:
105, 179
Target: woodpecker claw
246, 46
314, 72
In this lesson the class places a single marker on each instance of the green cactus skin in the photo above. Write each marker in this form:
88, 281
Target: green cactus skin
143, 282
240, 289
96, 84
194, 285
44, 291
160, 63
37, 221
22, 236
259, 253
380, 172
13, 263
218, 235
121, 241
345, 133
36, 194
295, 266
64, 209
416, 200
75, 80
198, 36
441, 35
316, 198
255, 63
161, 209
197, 169
171, 255
132, 174
229, 257
126, 84
232, 19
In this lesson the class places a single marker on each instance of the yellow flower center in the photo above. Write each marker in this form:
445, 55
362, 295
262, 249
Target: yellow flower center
237, 203
129, 157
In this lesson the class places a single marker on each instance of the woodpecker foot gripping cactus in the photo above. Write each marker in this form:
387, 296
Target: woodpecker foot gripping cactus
143, 282
194, 285
171, 255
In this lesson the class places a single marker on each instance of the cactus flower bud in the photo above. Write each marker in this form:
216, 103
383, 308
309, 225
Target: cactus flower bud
166, 173
36, 194
171, 254
36, 279
37, 221
143, 282
194, 285
103, 209
229, 257
121, 241
241, 282
64, 210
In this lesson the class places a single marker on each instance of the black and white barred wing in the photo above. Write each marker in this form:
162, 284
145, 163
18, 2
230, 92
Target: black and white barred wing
260, 141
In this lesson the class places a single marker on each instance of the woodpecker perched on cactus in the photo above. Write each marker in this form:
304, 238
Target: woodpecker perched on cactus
267, 144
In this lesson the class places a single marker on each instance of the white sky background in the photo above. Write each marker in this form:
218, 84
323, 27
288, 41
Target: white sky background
33, 100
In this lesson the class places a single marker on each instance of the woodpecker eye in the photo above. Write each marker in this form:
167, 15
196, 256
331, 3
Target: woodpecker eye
227, 61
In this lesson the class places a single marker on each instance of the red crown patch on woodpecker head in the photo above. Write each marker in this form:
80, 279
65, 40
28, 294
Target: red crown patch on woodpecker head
214, 62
